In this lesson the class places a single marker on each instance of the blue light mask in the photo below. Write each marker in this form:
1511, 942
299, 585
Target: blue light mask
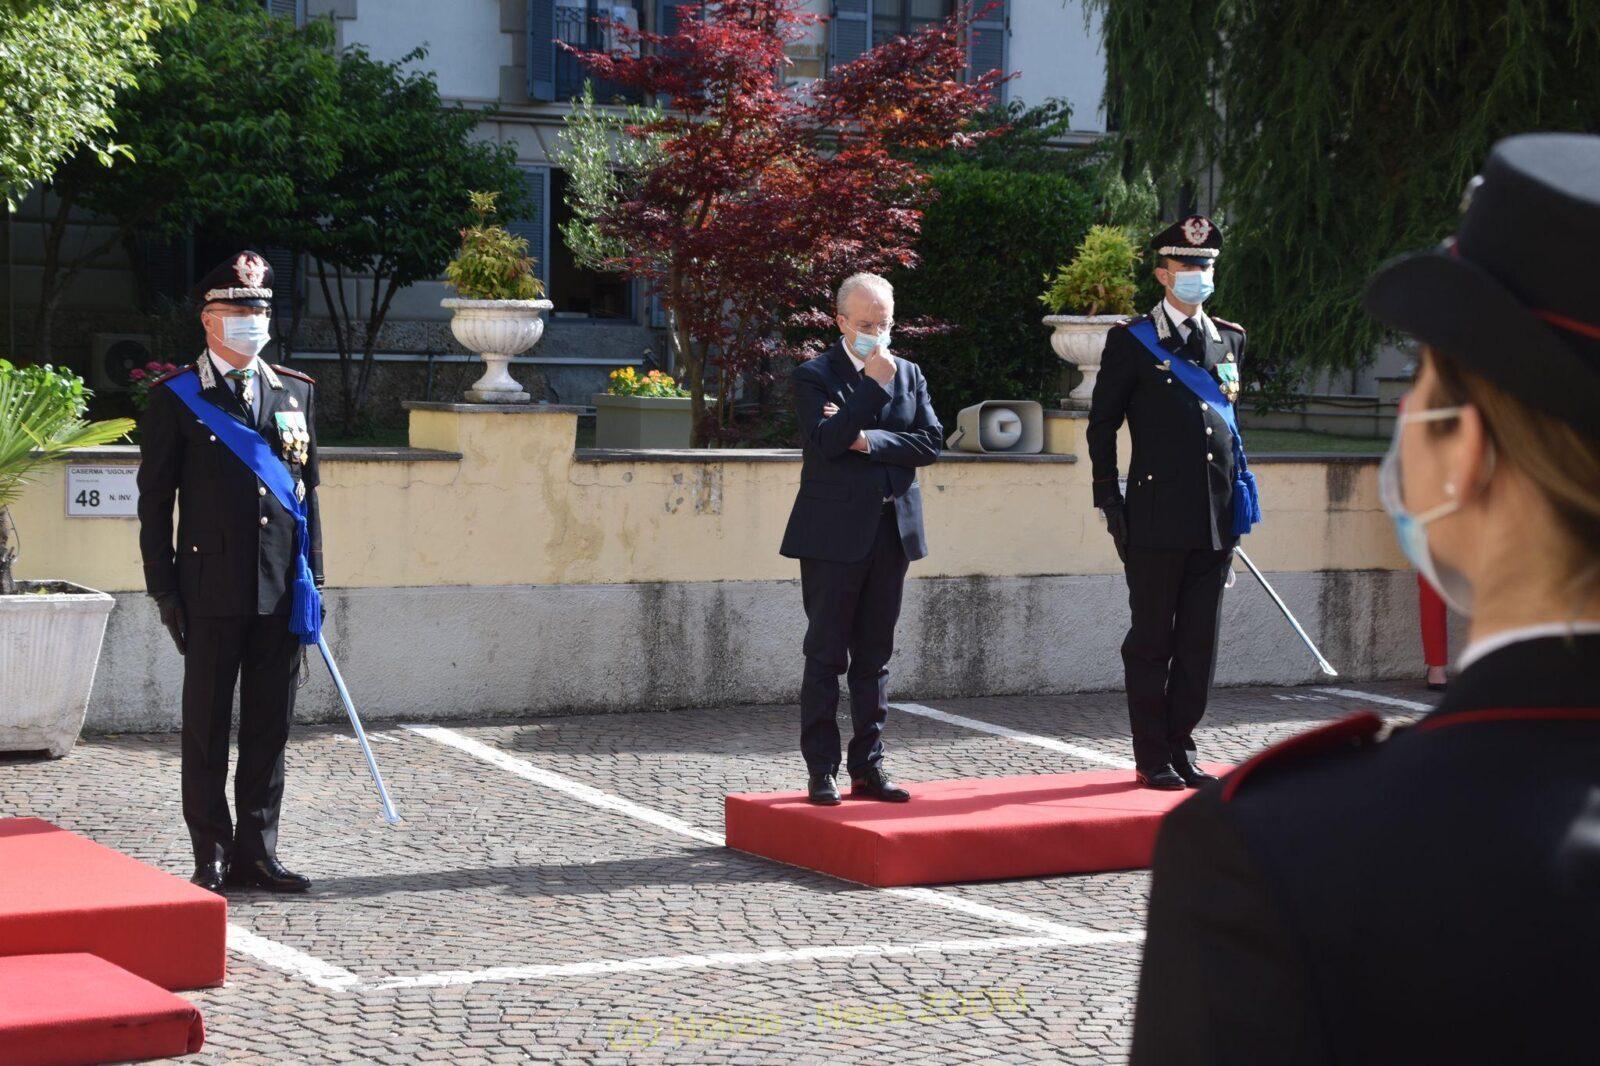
864, 343
1411, 529
1193, 286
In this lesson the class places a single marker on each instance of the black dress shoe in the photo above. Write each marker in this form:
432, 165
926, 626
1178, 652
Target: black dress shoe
1192, 775
1164, 778
822, 791
875, 784
269, 874
210, 875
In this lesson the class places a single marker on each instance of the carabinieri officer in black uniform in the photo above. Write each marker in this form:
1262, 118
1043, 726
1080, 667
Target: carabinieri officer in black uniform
1434, 897
224, 585
1173, 374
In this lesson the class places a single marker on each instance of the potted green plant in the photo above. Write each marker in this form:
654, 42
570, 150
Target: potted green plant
499, 313
50, 631
649, 411
1086, 298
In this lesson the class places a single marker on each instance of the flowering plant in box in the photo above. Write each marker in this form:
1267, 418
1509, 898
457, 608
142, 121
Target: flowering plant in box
627, 382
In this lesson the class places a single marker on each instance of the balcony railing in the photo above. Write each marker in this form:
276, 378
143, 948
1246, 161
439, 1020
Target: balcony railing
576, 26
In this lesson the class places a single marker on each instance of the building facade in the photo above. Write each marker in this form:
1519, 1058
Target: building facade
502, 55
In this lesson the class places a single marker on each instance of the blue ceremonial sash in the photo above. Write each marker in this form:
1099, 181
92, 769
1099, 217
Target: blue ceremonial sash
1246, 501
305, 615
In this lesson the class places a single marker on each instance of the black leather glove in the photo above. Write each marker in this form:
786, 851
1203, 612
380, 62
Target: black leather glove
1117, 526
171, 609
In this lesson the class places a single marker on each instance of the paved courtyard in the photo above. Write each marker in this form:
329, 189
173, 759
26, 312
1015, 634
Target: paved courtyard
558, 892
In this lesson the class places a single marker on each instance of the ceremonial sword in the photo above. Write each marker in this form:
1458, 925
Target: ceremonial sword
1327, 668
390, 815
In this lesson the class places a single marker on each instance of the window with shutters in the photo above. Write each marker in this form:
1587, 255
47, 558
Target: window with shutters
987, 47
602, 295
594, 294
858, 25
294, 10
898, 18
555, 73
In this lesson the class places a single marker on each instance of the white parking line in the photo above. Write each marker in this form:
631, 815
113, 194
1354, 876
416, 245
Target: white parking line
526, 770
666, 963
1391, 701
1049, 743
321, 973
326, 975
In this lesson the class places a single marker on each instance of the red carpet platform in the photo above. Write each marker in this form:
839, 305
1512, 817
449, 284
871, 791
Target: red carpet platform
63, 1010
976, 829
61, 893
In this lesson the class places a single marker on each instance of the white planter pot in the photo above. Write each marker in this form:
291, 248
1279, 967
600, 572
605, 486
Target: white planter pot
643, 421
497, 330
49, 648
1079, 340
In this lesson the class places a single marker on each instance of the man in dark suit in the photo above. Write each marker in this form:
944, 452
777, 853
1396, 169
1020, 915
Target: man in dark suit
224, 587
1174, 531
866, 424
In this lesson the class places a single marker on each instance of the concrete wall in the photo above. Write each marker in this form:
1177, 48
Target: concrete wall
493, 569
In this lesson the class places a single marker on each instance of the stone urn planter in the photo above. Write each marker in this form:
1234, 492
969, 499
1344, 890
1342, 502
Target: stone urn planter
642, 421
497, 330
1079, 340
50, 636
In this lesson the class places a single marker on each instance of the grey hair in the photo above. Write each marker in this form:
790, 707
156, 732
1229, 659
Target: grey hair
877, 285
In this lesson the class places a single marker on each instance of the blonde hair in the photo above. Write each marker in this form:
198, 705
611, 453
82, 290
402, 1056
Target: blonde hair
1561, 462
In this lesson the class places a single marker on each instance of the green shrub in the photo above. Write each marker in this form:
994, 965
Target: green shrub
493, 263
1099, 280
41, 416
986, 240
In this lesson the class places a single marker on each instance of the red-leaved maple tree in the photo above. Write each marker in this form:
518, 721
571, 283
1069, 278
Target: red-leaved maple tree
764, 196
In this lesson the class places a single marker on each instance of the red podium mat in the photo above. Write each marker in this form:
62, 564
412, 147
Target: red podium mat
60, 892
62, 1010
974, 829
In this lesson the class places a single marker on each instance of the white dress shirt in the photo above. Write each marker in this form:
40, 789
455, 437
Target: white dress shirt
256, 383
1178, 318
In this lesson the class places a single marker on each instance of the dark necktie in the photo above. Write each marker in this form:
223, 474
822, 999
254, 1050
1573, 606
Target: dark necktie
245, 388
1195, 346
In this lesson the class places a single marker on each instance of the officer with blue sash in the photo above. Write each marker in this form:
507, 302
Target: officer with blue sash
232, 440
1173, 376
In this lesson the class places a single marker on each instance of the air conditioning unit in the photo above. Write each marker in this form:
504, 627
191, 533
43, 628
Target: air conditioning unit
113, 355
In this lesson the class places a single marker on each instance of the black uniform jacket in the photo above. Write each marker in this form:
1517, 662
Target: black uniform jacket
1180, 477
235, 546
1433, 898
841, 496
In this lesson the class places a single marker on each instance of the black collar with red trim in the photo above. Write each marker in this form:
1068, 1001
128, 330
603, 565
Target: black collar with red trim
1543, 672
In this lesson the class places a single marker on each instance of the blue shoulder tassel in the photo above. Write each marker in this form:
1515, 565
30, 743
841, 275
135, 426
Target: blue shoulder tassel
305, 612
1246, 503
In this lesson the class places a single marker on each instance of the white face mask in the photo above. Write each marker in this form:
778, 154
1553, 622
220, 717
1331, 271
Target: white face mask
246, 334
1411, 530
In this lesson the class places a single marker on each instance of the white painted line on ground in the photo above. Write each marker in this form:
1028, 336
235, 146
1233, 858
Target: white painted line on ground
664, 963
1049, 743
1066, 934
576, 789
1391, 701
291, 960
528, 772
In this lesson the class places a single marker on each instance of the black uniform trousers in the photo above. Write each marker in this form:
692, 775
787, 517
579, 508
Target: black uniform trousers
259, 654
1170, 654
851, 612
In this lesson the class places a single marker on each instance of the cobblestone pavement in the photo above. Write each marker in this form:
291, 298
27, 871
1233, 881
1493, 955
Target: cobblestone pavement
533, 918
